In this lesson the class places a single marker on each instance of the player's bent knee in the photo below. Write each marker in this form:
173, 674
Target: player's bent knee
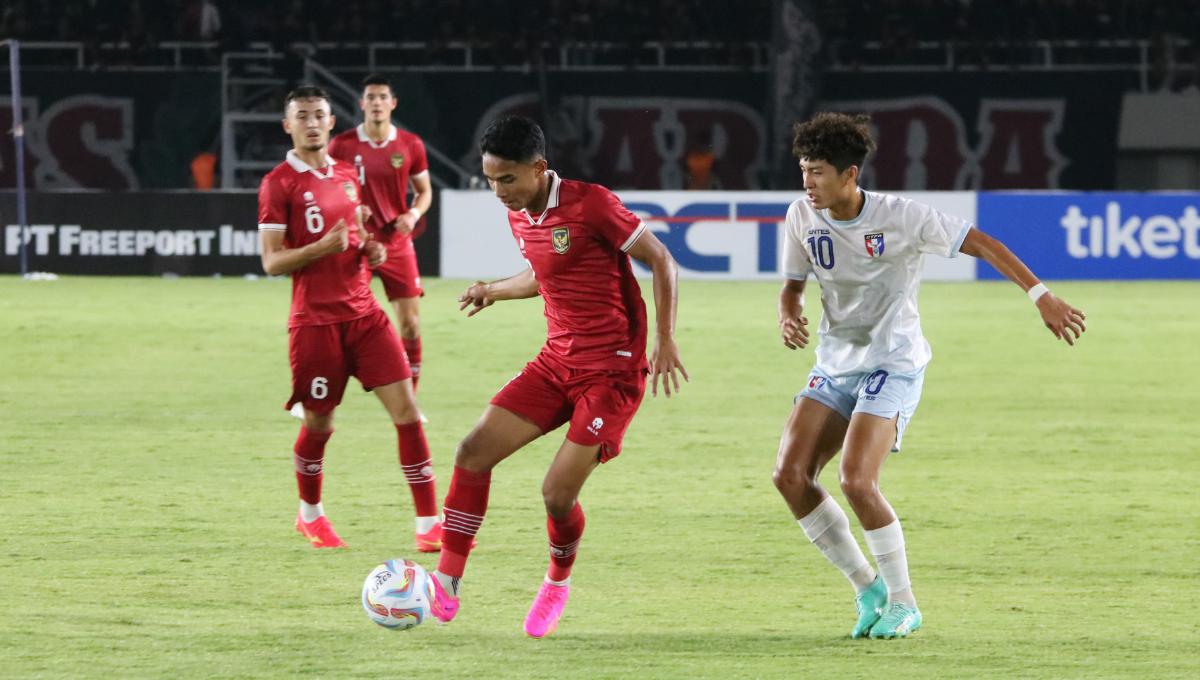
318, 422
791, 481
558, 501
405, 411
856, 485
470, 456
410, 326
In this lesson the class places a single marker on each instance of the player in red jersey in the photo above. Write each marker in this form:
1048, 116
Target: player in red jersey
591, 373
336, 328
387, 160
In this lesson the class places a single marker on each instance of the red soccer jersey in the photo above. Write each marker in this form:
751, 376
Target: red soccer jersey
383, 171
595, 317
303, 202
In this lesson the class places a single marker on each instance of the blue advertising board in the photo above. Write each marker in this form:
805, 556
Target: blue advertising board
729, 235
1096, 235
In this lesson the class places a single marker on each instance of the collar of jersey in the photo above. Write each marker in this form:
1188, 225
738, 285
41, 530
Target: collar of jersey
551, 202
302, 167
364, 137
867, 204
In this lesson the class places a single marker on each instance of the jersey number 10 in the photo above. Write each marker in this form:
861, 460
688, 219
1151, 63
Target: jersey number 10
822, 251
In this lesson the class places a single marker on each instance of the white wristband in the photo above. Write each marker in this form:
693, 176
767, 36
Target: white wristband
415, 213
1037, 292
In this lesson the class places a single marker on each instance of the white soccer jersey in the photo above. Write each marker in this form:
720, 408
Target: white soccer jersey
869, 270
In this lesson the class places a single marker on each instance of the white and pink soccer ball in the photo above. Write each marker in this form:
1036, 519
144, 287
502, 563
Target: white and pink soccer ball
398, 594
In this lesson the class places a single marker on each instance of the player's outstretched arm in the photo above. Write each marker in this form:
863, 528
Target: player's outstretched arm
793, 325
483, 294
664, 357
278, 259
1063, 320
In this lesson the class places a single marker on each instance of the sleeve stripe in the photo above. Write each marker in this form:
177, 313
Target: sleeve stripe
637, 233
796, 277
269, 226
423, 173
954, 247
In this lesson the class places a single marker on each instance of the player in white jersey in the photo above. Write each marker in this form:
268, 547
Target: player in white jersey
865, 249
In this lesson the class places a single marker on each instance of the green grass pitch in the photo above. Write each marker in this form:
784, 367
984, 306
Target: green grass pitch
1048, 496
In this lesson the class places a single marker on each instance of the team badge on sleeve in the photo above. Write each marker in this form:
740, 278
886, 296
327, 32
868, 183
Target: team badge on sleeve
397, 160
351, 192
874, 243
561, 239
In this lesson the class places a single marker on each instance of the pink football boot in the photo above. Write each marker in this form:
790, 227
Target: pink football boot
546, 610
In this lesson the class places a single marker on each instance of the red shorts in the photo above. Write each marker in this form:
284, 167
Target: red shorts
399, 271
599, 404
324, 358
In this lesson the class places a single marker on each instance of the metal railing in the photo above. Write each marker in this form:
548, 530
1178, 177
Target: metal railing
1028, 56
583, 56
444, 172
417, 56
251, 143
841, 56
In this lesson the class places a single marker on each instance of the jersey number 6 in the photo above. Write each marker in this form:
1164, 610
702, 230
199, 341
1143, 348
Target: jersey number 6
313, 219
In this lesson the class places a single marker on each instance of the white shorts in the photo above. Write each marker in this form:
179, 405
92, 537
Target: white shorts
879, 393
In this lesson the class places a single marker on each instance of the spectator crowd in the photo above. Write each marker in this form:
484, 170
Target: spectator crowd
897, 24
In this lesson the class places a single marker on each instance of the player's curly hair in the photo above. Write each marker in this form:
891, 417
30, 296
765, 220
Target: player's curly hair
839, 139
513, 138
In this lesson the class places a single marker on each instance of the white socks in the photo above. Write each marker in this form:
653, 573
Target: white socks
309, 512
829, 529
450, 584
424, 524
887, 546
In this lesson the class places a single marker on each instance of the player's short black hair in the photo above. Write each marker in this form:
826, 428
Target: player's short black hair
839, 139
514, 138
305, 92
376, 79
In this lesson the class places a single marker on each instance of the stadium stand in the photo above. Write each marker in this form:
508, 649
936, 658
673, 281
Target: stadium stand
450, 33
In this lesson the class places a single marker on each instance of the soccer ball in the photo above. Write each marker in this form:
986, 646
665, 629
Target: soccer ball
398, 594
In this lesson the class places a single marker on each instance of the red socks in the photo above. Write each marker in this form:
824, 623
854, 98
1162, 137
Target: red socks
565, 533
464, 509
417, 467
309, 457
412, 347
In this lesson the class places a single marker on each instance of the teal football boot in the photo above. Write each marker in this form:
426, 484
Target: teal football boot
870, 604
898, 620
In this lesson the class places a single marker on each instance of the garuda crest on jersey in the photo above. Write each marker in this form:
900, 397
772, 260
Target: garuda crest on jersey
560, 238
397, 160
874, 243
351, 192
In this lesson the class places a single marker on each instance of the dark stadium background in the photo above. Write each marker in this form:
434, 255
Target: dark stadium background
965, 94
